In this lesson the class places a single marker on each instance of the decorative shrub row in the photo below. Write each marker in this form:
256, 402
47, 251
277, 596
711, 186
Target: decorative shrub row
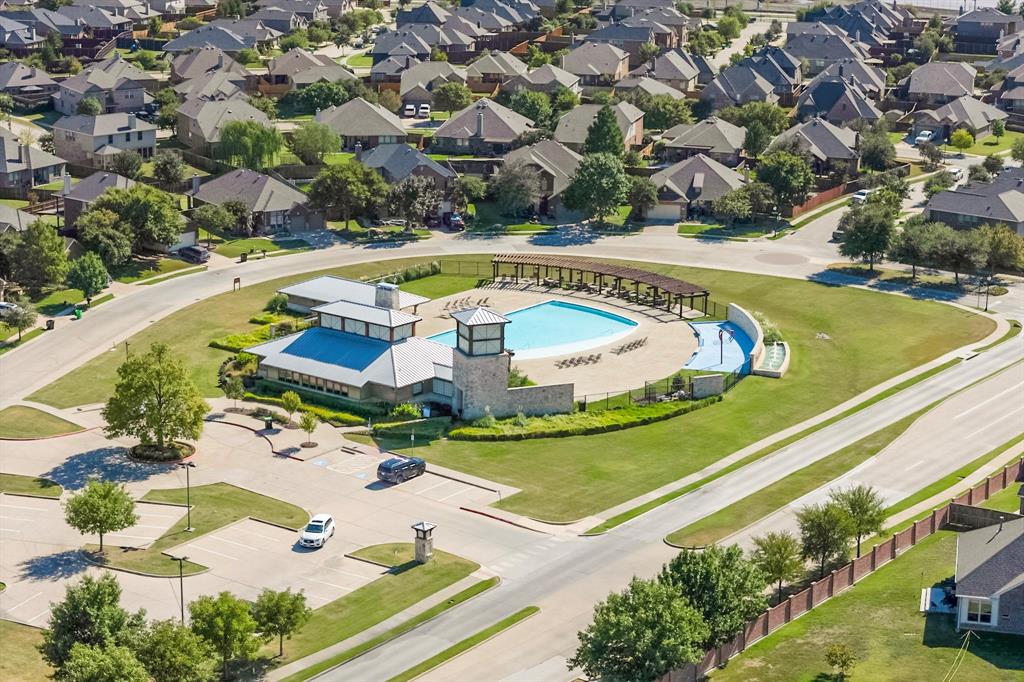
263, 388
578, 423
326, 414
413, 273
236, 342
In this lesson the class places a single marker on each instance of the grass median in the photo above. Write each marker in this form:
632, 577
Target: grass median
20, 421
29, 485
20, 660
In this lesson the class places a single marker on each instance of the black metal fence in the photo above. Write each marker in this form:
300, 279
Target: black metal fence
677, 387
466, 268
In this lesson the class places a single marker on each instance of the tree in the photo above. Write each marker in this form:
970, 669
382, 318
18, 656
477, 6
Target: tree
919, 243
876, 149
296, 39
756, 139
322, 95
263, 103
308, 423
992, 163
761, 198
226, 622
770, 115
90, 663
168, 169
963, 252
414, 198
978, 173
311, 141
931, 154
961, 139
729, 27
777, 555
250, 143
154, 26
45, 142
349, 187
241, 214
868, 232
282, 613
438, 55
642, 195
732, 206
939, 182
564, 99
1017, 152
825, 533
598, 186
998, 128
603, 135
640, 634
90, 615
390, 100
291, 402
89, 106
214, 219
88, 275
514, 187
147, 214
841, 658
452, 97
100, 230
467, 189
174, 653
101, 507
40, 258
724, 587
662, 112
234, 389
864, 507
1006, 6
155, 399
789, 176
533, 105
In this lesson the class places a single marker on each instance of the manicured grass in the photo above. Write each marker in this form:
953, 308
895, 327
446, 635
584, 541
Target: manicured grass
54, 302
337, 158
740, 514
879, 620
465, 645
1014, 330
140, 269
179, 273
738, 231
438, 286
819, 213
20, 660
1007, 500
880, 274
394, 632
14, 203
255, 245
989, 145
213, 506
56, 184
20, 421
190, 170
188, 331
28, 485
25, 338
358, 61
407, 584
489, 219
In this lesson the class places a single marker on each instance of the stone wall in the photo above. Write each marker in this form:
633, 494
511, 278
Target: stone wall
481, 382
708, 385
745, 321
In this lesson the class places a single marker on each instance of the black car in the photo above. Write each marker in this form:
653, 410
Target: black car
194, 254
397, 469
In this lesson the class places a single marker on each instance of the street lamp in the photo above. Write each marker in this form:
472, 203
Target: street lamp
188, 494
181, 582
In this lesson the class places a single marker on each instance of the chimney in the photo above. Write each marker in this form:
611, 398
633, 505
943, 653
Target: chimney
67, 184
220, 60
359, 151
386, 296
408, 61
195, 183
132, 121
840, 70
479, 124
23, 153
3, 148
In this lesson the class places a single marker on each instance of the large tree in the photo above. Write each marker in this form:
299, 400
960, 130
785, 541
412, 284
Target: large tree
40, 259
725, 587
101, 507
642, 195
961, 139
90, 615
867, 232
756, 139
777, 554
640, 634
280, 614
732, 206
311, 141
226, 622
91, 663
414, 198
89, 106
535, 106
350, 188
603, 135
88, 275
168, 169
825, 534
876, 149
214, 219
963, 251
919, 243
101, 230
789, 176
770, 115
864, 507
155, 399
127, 163
174, 653
249, 143
452, 96
598, 186
514, 187
22, 317
147, 214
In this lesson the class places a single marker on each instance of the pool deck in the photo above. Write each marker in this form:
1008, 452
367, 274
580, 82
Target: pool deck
670, 340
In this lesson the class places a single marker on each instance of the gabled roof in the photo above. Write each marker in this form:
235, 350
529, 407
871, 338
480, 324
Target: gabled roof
573, 126
547, 75
427, 13
305, 67
967, 111
990, 560
951, 79
388, 43
825, 47
212, 115
713, 134
497, 123
393, 66
696, 178
248, 28
110, 74
870, 78
986, 15
648, 85
94, 17
477, 22
740, 84
594, 59
329, 288
14, 219
1001, 200
674, 65
400, 160
496, 64
479, 315
104, 124
204, 62
367, 313
822, 140
218, 36
15, 76
259, 192
555, 158
15, 156
837, 98
428, 75
91, 188
619, 33
357, 117
221, 85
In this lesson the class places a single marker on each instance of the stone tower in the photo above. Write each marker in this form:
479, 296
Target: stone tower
480, 364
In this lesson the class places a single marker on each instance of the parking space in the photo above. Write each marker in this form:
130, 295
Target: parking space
154, 521
250, 555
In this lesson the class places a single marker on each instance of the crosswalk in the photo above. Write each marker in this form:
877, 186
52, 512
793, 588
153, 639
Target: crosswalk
536, 554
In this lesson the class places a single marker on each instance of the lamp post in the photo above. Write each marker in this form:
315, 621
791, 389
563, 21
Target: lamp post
412, 441
181, 582
188, 494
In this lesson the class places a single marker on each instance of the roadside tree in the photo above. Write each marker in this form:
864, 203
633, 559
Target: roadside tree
963, 251
732, 206
864, 507
919, 243
825, 534
414, 198
174, 653
150, 215
226, 622
101, 507
215, 220
642, 195
281, 614
598, 187
21, 318
100, 230
778, 557
931, 154
961, 139
88, 275
91, 663
868, 232
350, 187
40, 258
291, 403
789, 176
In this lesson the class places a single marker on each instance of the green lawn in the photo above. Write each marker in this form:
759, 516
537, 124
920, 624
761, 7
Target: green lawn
353, 231
487, 218
14, 342
142, 268
19, 421
56, 184
14, 203
52, 302
253, 246
358, 61
989, 145
20, 661
733, 518
28, 485
1014, 330
438, 286
405, 585
213, 506
337, 158
896, 276
739, 231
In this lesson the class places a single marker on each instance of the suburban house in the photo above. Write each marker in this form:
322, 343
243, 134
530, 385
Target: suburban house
308, 10
886, 28
206, 62
678, 69
96, 140
298, 68
627, 38
221, 85
778, 67
76, 198
713, 137
18, 79
980, 30
938, 83
427, 13
366, 350
573, 125
14, 220
396, 162
1011, 93
973, 204
648, 86
688, 188
23, 165
284, 21
139, 12
390, 69
117, 85
597, 64
102, 24
964, 112
822, 50
833, 150
548, 79
400, 44
19, 38
737, 85
419, 81
485, 127
836, 99
990, 578
250, 30
490, 71
200, 122
360, 122
231, 39
660, 19
629, 8
274, 205
555, 164
871, 79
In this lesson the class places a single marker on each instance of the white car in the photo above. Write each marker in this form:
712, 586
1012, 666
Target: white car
957, 172
924, 136
7, 308
409, 111
424, 111
318, 531
861, 196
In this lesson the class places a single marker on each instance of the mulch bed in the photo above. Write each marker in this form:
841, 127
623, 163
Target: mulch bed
154, 454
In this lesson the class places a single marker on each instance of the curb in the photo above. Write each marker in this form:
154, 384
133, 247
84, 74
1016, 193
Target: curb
88, 557
257, 432
59, 435
37, 497
504, 520
368, 561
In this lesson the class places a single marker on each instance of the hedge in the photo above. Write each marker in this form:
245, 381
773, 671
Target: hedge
263, 387
579, 423
326, 414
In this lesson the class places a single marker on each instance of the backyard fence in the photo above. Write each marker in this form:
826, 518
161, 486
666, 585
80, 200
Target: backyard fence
950, 515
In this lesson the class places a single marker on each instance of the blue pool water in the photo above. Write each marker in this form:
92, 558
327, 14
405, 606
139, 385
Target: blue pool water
555, 328
730, 355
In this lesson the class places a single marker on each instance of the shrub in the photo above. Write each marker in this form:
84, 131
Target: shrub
405, 411
487, 428
517, 378
769, 328
413, 272
326, 414
269, 389
520, 419
278, 303
236, 342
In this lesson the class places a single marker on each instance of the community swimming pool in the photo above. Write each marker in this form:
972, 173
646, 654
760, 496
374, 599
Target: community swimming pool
556, 328
725, 352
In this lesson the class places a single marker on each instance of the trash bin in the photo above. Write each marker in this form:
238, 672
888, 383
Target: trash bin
78, 313
268, 423
49, 324
245, 257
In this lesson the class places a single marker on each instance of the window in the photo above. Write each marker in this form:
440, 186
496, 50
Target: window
443, 387
979, 611
138, 136
417, 388
110, 139
355, 327
378, 331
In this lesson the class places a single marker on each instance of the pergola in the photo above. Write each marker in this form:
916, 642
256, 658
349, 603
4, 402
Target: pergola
664, 291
